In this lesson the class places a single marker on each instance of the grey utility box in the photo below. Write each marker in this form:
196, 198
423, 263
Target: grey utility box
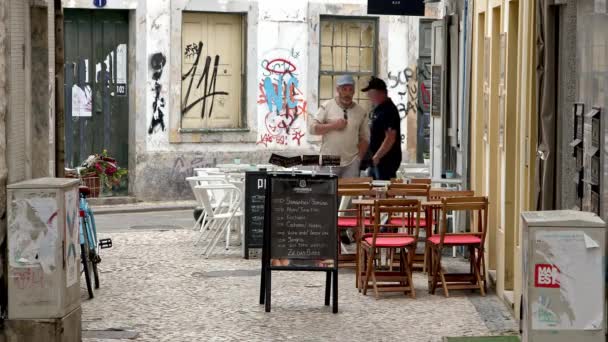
564, 277
43, 249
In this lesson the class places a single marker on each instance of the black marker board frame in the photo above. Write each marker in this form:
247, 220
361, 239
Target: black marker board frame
252, 189
331, 280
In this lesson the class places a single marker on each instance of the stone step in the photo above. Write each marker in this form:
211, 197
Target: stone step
118, 200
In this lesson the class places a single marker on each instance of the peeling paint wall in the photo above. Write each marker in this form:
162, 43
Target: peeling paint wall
39, 92
402, 78
31, 118
4, 92
158, 24
16, 118
278, 35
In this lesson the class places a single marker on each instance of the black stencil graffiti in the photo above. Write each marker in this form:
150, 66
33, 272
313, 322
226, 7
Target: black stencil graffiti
157, 64
209, 92
408, 99
401, 78
191, 50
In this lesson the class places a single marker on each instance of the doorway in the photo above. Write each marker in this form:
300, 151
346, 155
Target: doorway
95, 87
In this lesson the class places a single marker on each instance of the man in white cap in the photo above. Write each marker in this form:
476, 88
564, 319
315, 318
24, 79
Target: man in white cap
344, 127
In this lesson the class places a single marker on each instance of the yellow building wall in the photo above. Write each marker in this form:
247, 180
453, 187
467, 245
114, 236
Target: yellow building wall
503, 131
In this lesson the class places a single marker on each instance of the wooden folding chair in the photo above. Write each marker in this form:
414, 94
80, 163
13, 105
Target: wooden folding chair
419, 192
351, 187
403, 186
437, 194
474, 241
402, 242
347, 219
355, 180
426, 181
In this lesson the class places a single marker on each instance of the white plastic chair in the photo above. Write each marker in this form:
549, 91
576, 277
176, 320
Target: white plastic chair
208, 171
206, 180
217, 219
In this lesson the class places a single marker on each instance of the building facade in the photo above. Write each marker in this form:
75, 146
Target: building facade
27, 101
538, 119
504, 131
168, 86
580, 112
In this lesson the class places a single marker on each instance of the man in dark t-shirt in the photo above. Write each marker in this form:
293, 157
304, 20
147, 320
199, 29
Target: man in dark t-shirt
384, 144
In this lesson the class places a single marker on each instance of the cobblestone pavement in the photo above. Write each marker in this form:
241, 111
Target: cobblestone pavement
156, 283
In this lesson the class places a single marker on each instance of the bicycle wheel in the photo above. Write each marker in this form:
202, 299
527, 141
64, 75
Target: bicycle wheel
96, 274
84, 255
93, 257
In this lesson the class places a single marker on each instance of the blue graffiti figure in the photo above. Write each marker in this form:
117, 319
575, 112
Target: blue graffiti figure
274, 98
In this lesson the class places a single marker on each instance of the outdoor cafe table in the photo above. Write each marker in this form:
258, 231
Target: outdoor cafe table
448, 182
370, 202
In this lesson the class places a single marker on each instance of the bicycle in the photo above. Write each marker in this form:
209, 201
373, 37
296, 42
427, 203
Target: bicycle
89, 244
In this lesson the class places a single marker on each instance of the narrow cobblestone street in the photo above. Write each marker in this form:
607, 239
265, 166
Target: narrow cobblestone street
155, 283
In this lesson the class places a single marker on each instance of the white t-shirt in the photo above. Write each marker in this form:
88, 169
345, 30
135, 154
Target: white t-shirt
343, 143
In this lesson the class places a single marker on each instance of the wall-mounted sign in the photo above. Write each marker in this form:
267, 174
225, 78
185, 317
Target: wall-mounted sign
396, 7
99, 3
436, 90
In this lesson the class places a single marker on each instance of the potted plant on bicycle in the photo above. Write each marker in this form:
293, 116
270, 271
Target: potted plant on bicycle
101, 171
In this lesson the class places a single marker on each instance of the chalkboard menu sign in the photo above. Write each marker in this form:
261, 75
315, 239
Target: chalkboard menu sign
255, 195
329, 160
283, 161
300, 229
303, 221
310, 160
436, 90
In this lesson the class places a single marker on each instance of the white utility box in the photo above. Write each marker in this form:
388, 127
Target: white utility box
43, 249
564, 275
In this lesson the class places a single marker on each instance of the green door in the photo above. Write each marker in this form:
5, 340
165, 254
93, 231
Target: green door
96, 84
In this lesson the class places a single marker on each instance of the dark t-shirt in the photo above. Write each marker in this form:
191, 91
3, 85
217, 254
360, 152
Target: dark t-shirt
386, 116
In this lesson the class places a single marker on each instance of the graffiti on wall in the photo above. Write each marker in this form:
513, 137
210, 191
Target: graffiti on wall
398, 81
28, 278
412, 94
208, 79
406, 83
183, 168
283, 101
157, 65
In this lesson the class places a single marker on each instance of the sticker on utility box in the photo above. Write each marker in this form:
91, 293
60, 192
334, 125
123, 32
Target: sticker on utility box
546, 275
567, 283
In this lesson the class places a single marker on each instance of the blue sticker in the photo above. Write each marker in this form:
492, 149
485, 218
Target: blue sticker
99, 3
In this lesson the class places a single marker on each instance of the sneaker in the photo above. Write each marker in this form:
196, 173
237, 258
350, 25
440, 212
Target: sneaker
350, 233
344, 238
